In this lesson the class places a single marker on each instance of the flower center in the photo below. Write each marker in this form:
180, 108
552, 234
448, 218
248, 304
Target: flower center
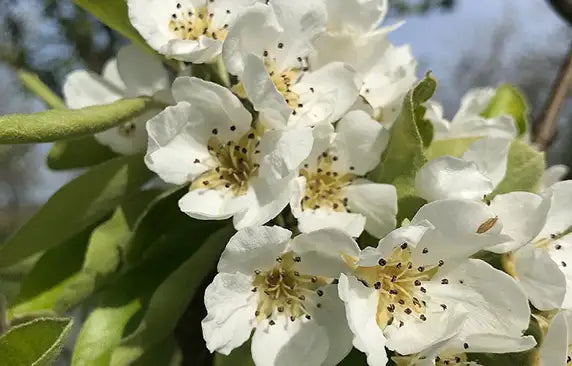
189, 24
324, 185
284, 81
400, 286
234, 164
284, 291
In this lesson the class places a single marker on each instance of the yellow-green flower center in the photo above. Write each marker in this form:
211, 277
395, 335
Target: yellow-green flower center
284, 291
325, 186
400, 287
235, 164
191, 24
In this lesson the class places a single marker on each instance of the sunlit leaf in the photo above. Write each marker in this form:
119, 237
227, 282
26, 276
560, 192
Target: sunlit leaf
35, 343
509, 100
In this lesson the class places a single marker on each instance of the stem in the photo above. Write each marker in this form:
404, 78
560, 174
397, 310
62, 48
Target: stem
37, 86
221, 70
547, 123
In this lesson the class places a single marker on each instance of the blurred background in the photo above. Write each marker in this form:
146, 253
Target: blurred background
466, 43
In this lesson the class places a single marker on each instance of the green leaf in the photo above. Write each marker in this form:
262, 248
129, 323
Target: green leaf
104, 251
166, 353
405, 154
79, 204
240, 356
171, 299
102, 333
524, 172
43, 286
113, 13
81, 152
36, 343
355, 358
408, 207
59, 124
37, 86
509, 100
161, 218
451, 147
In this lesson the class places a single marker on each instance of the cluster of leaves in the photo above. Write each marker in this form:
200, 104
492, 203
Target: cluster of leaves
123, 252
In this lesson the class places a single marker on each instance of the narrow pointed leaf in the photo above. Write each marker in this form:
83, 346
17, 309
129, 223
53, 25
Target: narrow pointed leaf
36, 343
59, 124
79, 204
76, 153
171, 298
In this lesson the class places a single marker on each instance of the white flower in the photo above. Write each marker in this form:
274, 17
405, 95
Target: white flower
235, 169
473, 176
268, 48
451, 350
542, 243
134, 73
556, 347
554, 174
419, 284
331, 190
468, 121
284, 289
353, 36
186, 30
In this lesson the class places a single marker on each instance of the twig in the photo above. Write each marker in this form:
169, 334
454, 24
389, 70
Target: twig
546, 124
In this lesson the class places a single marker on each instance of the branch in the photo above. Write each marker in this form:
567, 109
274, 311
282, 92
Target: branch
564, 8
546, 124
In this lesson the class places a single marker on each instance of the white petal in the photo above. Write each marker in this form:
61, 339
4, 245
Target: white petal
141, 71
360, 140
493, 343
559, 216
324, 135
410, 234
321, 252
554, 347
311, 220
449, 177
540, 277
83, 89
111, 74
203, 50
474, 102
361, 310
554, 174
302, 22
283, 151
522, 214
414, 337
326, 94
252, 31
254, 248
230, 312
217, 104
456, 235
390, 79
290, 343
332, 316
355, 16
177, 137
493, 300
266, 99
434, 114
208, 204
377, 202
562, 257
477, 126
151, 19
491, 156
263, 202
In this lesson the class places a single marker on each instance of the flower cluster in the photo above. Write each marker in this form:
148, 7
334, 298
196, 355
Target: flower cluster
286, 141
